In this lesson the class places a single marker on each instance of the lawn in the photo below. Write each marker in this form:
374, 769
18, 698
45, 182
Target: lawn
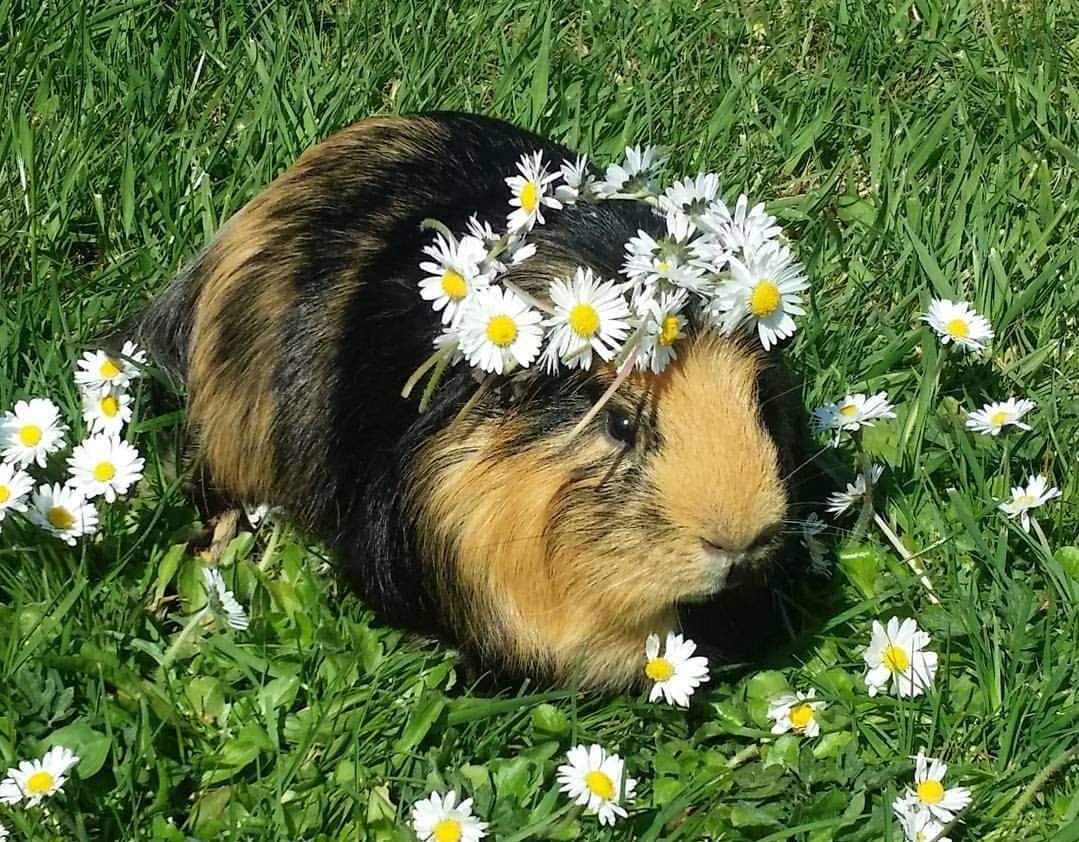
912, 150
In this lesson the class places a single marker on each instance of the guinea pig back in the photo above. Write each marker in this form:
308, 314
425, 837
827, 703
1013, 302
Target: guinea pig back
537, 552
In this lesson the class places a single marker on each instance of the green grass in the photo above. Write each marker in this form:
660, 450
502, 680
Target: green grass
915, 150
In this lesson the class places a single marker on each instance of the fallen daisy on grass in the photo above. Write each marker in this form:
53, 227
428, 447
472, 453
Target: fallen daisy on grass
852, 413
958, 322
221, 600
593, 779
106, 466
14, 486
897, 654
439, 818
34, 780
676, 673
1031, 497
63, 511
796, 712
994, 417
929, 792
30, 432
919, 825
840, 501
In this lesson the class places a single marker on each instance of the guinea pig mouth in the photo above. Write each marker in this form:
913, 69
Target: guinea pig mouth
727, 570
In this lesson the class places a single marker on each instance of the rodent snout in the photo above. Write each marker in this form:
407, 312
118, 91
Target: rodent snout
741, 543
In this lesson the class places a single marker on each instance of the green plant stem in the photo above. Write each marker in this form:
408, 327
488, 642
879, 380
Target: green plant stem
185, 633
271, 545
1040, 780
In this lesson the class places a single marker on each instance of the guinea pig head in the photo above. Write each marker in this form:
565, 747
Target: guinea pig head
563, 552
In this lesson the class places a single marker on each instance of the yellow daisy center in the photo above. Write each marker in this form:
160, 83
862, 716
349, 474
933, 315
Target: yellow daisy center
999, 417
447, 830
453, 284
60, 517
659, 669
501, 330
5, 493
109, 406
958, 328
529, 196
30, 435
1026, 500
104, 471
764, 300
109, 369
40, 783
848, 409
668, 331
930, 792
801, 716
663, 266
584, 320
599, 783
895, 658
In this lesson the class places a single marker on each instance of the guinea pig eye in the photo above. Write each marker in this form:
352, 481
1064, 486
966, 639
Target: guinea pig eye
621, 427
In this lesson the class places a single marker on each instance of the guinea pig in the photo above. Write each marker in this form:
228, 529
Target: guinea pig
535, 551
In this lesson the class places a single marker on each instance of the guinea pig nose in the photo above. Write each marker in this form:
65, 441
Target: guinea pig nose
741, 543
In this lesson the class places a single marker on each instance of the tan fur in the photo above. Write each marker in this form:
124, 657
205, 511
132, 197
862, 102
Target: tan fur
580, 597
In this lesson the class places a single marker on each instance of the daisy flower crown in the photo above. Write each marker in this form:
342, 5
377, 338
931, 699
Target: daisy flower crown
710, 264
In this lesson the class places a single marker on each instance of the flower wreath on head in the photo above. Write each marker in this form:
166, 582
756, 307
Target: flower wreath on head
732, 269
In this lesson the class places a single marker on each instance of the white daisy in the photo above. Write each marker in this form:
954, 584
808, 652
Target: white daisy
590, 315
796, 712
1025, 499
34, 780
14, 486
691, 196
957, 321
993, 417
663, 326
840, 501
498, 330
63, 511
852, 413
918, 824
104, 465
106, 412
813, 526
676, 258
763, 292
577, 182
3, 833
453, 274
32, 431
439, 818
593, 779
636, 175
530, 194
675, 673
99, 371
221, 600
929, 792
897, 654
747, 229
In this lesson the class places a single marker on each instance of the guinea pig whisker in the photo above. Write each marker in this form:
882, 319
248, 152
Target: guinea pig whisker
794, 388
806, 463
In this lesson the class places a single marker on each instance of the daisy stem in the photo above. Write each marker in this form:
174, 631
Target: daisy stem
432, 383
1041, 779
528, 299
744, 756
907, 556
271, 545
866, 515
477, 396
433, 360
619, 379
1041, 537
436, 225
185, 633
